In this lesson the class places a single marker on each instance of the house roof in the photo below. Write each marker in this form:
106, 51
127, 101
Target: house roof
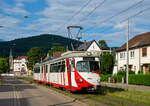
57, 54
21, 57
136, 42
86, 45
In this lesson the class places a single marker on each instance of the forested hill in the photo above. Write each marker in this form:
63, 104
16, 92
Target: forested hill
1, 40
44, 41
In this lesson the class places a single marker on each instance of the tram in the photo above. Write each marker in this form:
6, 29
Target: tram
73, 71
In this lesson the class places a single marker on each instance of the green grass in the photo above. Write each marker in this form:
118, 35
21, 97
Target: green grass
1, 82
29, 79
107, 95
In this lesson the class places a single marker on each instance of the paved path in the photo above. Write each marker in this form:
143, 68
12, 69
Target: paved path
19, 93
124, 86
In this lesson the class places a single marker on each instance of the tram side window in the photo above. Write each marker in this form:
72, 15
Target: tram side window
63, 68
52, 68
41, 69
46, 68
55, 68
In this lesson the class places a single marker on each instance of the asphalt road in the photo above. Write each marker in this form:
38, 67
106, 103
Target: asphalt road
19, 93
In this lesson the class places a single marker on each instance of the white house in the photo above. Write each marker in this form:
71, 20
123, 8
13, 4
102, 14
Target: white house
20, 66
91, 46
139, 54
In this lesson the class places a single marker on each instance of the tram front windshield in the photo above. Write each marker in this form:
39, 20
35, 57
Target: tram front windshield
87, 66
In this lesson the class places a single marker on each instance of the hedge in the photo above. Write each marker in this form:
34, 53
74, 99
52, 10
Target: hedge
140, 79
104, 78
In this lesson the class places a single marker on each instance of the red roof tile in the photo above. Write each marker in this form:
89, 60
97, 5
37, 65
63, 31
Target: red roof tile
136, 42
21, 57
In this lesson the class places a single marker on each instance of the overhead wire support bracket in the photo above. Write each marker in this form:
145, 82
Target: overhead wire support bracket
77, 36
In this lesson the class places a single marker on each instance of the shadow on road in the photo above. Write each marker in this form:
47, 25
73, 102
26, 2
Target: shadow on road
13, 102
10, 82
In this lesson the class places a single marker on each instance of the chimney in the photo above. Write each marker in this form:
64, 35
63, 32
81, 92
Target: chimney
85, 42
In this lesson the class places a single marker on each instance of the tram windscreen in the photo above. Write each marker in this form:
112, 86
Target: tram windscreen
87, 66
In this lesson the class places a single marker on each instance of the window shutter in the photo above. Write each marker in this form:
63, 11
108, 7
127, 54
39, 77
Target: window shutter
144, 52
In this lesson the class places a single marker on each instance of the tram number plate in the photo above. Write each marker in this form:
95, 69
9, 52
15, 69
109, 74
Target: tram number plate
89, 58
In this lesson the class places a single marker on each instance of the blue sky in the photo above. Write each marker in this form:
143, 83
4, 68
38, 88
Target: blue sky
51, 16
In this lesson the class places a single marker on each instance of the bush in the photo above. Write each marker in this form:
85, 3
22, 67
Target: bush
118, 78
104, 78
131, 72
140, 79
123, 72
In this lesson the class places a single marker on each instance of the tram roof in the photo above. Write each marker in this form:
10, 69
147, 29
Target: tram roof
70, 54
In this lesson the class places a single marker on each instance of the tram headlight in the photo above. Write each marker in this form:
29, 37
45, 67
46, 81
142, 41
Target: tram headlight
99, 80
81, 80
89, 53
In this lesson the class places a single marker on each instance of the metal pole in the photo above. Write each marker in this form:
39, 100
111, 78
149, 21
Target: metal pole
127, 50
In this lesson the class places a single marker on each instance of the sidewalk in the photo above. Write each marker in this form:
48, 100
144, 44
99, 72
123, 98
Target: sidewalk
124, 86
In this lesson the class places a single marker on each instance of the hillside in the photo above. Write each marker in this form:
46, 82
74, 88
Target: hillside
1, 40
44, 41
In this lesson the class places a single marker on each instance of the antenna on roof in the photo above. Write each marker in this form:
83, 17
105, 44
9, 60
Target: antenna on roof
76, 36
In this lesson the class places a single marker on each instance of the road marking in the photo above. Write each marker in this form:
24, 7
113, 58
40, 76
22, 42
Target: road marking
16, 97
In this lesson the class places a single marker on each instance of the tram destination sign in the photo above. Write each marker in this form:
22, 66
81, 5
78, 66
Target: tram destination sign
89, 58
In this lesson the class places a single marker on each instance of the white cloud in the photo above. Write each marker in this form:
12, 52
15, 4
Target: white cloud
57, 13
8, 21
19, 4
16, 10
120, 25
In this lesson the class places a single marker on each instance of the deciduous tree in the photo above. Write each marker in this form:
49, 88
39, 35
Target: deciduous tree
3, 65
103, 45
34, 55
56, 49
106, 63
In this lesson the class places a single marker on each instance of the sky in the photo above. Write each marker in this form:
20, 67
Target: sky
100, 19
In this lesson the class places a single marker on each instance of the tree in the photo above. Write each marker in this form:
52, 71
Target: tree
103, 45
34, 55
106, 63
3, 65
56, 49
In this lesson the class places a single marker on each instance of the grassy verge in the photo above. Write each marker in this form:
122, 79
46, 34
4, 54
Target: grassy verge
29, 79
1, 82
108, 96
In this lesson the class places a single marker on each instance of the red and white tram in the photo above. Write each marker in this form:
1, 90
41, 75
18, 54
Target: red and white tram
74, 70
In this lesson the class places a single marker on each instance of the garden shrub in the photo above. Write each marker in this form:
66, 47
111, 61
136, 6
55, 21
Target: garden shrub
118, 78
123, 72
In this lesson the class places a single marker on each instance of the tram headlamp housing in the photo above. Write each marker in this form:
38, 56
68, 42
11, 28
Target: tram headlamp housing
89, 53
99, 80
81, 80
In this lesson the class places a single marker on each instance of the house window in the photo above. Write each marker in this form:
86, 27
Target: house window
144, 52
132, 54
122, 55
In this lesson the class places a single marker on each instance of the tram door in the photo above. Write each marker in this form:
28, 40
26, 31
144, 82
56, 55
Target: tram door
72, 75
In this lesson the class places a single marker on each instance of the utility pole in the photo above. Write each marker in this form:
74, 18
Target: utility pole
127, 50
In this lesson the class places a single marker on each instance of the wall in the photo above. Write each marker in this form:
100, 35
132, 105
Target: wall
135, 61
94, 47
